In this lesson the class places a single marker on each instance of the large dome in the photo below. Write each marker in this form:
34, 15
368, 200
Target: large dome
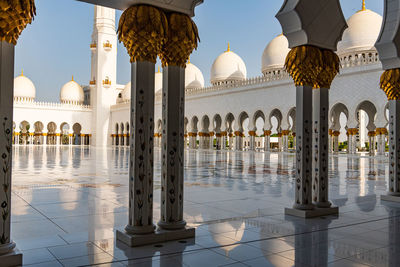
228, 67
362, 33
275, 54
193, 77
24, 89
72, 93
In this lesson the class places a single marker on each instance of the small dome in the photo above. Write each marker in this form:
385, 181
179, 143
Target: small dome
275, 53
193, 77
362, 32
72, 93
228, 67
126, 93
24, 89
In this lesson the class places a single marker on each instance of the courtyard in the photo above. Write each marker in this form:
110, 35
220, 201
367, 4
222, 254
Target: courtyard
67, 203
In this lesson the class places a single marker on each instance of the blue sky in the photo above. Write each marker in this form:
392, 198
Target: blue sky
56, 45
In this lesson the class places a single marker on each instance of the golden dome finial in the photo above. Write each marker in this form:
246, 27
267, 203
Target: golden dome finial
22, 72
158, 71
188, 60
229, 47
72, 79
363, 6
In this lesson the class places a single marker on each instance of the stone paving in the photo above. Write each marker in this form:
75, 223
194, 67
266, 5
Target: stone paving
68, 202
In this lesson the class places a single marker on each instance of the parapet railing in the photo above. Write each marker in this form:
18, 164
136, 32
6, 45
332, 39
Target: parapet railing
51, 105
348, 60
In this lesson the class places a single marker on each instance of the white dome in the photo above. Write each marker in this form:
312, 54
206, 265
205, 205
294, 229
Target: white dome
126, 93
275, 53
193, 77
228, 67
362, 33
72, 93
24, 89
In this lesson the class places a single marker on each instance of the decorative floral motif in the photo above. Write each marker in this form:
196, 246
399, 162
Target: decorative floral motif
6, 173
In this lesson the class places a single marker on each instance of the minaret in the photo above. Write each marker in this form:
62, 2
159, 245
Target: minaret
103, 74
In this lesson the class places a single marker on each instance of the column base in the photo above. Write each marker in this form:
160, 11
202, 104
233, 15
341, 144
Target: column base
13, 258
158, 236
390, 198
316, 212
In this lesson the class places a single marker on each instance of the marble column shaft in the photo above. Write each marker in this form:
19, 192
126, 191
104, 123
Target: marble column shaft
223, 142
6, 131
141, 149
252, 143
172, 176
304, 114
321, 144
267, 143
394, 147
335, 143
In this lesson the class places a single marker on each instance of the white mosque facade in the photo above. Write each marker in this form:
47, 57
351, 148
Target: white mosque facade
234, 112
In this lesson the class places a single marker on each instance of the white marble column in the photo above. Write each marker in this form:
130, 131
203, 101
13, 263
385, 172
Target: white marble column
218, 138
285, 140
192, 140
252, 137
394, 148
267, 141
141, 150
304, 116
371, 142
238, 141
172, 177
280, 142
349, 142
320, 145
8, 255
58, 139
211, 141
223, 140
336, 141
230, 141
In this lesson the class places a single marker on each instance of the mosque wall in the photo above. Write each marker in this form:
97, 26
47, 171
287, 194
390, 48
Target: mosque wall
58, 115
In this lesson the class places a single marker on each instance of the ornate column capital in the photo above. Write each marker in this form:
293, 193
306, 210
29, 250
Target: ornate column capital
182, 38
16, 15
143, 30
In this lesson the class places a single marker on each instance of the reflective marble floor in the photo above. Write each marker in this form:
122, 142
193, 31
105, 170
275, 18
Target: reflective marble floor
67, 203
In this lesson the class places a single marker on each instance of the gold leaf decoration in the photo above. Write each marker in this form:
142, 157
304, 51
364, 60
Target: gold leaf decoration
390, 84
330, 68
304, 63
143, 31
14, 16
183, 37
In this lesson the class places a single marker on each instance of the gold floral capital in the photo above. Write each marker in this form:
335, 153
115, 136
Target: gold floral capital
182, 39
143, 30
390, 84
14, 16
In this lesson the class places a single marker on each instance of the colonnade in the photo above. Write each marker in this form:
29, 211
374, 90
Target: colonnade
51, 139
120, 139
224, 141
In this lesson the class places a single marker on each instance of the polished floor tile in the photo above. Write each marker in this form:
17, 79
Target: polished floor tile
68, 202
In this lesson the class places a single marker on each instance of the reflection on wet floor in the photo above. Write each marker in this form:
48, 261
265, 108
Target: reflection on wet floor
67, 203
